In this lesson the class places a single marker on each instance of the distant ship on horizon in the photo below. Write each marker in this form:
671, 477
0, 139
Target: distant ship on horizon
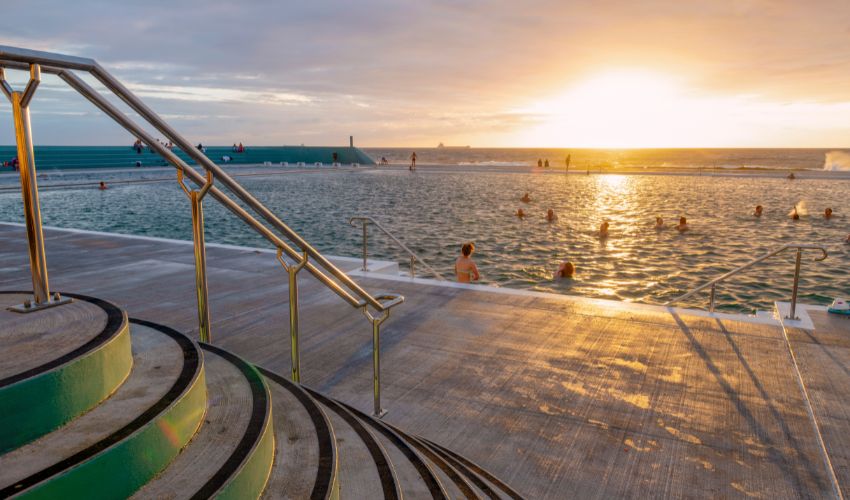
443, 146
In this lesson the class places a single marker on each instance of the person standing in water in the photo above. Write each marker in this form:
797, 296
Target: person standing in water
759, 211
794, 214
683, 225
550, 216
566, 270
413, 161
659, 223
102, 186
603, 229
827, 214
465, 269
525, 198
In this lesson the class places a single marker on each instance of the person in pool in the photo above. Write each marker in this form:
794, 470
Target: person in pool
525, 198
566, 270
682, 226
102, 186
759, 211
659, 223
847, 240
520, 213
603, 229
794, 214
827, 214
465, 269
791, 176
550, 216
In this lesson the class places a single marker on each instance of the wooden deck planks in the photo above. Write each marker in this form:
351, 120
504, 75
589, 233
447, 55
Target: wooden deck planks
559, 397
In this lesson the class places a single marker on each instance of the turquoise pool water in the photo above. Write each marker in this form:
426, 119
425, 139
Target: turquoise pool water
433, 212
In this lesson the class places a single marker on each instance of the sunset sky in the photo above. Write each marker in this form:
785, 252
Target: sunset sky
653, 73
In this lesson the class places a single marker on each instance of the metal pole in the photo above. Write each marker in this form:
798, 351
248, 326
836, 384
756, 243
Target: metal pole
793, 314
412, 266
365, 248
295, 343
711, 298
29, 192
196, 198
376, 367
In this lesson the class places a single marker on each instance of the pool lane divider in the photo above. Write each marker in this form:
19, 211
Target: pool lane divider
123, 462
41, 399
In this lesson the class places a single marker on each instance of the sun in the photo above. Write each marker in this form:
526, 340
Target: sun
619, 109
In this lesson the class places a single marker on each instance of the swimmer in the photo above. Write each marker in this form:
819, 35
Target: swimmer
520, 213
565, 270
525, 198
794, 214
827, 214
791, 176
659, 223
847, 240
550, 216
682, 226
102, 186
465, 268
603, 229
759, 211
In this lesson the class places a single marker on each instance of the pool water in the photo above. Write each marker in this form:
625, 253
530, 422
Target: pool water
434, 212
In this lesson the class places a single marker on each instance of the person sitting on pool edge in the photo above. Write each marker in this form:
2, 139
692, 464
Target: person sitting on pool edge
550, 216
682, 226
525, 198
465, 269
759, 211
659, 223
566, 270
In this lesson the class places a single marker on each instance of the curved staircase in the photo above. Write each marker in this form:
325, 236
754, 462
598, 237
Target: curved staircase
96, 405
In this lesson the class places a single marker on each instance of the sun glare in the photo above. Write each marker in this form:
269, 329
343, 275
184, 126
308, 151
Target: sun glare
621, 109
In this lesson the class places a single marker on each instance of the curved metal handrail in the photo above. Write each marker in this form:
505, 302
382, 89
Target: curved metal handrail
713, 283
366, 220
305, 254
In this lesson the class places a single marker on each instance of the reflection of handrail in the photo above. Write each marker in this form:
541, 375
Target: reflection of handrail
366, 220
63, 66
713, 283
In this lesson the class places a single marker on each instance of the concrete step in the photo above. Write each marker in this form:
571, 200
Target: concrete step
489, 484
306, 464
455, 483
365, 470
232, 452
57, 363
414, 474
114, 449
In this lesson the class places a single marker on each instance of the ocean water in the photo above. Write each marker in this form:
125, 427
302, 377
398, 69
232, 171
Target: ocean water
612, 159
435, 210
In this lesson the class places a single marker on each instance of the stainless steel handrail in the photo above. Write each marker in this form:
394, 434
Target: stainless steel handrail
713, 283
356, 296
366, 220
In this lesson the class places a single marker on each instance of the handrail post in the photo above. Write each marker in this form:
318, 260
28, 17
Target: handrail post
412, 266
711, 298
196, 197
365, 246
29, 192
295, 343
793, 312
378, 411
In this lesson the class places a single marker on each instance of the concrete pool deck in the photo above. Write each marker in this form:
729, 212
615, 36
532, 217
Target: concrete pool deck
559, 397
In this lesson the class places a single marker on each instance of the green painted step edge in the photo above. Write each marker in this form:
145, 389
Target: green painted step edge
123, 468
41, 404
251, 479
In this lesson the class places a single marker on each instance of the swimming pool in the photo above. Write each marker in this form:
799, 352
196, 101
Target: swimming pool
434, 211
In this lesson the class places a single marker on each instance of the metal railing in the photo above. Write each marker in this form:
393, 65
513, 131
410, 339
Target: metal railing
713, 283
366, 220
302, 254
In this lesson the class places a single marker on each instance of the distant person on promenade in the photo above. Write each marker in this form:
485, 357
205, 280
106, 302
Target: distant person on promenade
520, 213
234, 148
550, 216
539, 163
102, 186
546, 163
138, 146
682, 226
465, 269
335, 157
659, 223
384, 161
827, 214
200, 147
759, 211
525, 198
413, 161
603, 229
240, 149
565, 270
